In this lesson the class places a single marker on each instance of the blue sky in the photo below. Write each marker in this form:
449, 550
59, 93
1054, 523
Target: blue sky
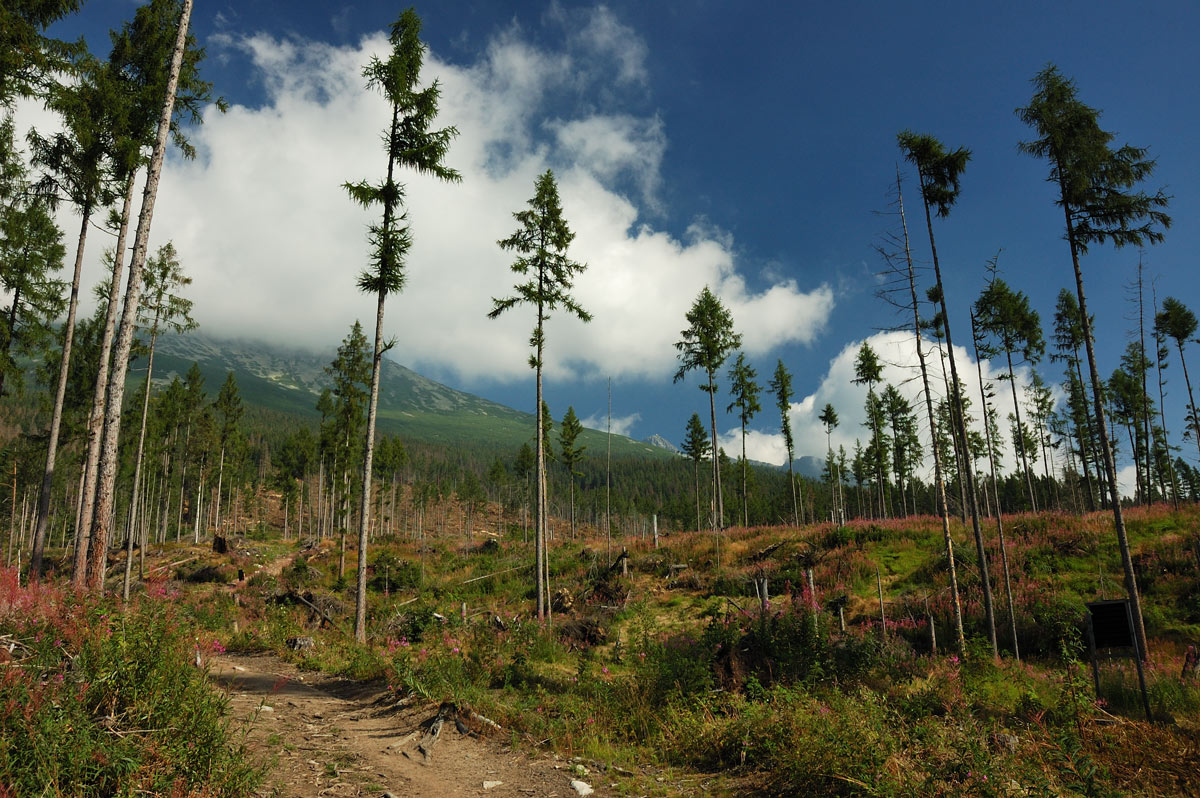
744, 145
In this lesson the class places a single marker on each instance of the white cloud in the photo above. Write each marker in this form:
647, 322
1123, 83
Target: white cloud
621, 425
274, 245
604, 37
897, 351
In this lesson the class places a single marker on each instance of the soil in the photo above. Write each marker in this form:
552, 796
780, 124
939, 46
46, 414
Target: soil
327, 737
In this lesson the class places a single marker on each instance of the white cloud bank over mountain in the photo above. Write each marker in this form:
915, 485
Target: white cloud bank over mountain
897, 351
274, 245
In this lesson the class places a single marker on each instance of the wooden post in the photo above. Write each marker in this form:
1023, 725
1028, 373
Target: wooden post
1091, 639
624, 561
656, 538
812, 596
932, 629
882, 615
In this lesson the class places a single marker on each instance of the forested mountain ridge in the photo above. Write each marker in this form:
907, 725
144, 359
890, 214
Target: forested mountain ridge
412, 406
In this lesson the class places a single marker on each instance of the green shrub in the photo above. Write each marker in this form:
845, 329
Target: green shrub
112, 705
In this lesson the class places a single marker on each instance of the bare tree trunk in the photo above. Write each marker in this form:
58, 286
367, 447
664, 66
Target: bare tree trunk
956, 415
360, 601
987, 431
1110, 470
939, 481
1145, 392
43, 508
87, 496
718, 505
116, 393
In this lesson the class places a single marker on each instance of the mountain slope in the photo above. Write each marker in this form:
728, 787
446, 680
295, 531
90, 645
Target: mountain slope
410, 405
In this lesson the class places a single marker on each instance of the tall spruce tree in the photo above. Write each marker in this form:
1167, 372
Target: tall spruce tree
939, 172
74, 163
986, 393
829, 418
167, 83
781, 388
133, 81
696, 446
868, 371
31, 251
571, 454
1011, 325
1178, 323
541, 244
931, 417
1100, 201
705, 344
162, 308
409, 143
1068, 340
745, 393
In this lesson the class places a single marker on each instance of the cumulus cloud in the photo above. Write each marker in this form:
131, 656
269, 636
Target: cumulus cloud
898, 353
621, 425
274, 245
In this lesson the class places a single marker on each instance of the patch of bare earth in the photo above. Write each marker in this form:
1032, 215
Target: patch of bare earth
327, 737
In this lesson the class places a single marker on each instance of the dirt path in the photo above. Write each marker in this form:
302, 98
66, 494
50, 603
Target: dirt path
331, 737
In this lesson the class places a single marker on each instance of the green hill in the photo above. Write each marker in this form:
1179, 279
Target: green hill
412, 406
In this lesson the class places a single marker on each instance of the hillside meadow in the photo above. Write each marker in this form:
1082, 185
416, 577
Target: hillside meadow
656, 662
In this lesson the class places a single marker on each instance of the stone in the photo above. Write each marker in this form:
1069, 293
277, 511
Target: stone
581, 787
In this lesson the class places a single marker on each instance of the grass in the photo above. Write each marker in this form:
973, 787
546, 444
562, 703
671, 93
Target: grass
678, 675
106, 703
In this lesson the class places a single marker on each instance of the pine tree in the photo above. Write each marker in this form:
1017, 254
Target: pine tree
868, 371
992, 440
31, 251
1101, 204
829, 418
96, 544
696, 446
706, 343
228, 407
161, 308
345, 419
745, 393
939, 172
541, 243
409, 144
572, 454
1178, 323
781, 387
1068, 338
1013, 326
29, 60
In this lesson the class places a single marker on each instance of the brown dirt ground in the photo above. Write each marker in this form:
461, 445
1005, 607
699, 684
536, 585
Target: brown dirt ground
327, 737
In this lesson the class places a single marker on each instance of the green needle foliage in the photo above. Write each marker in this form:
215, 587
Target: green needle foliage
29, 60
697, 447
572, 454
1101, 202
411, 144
705, 344
541, 244
1008, 324
1178, 323
781, 388
745, 398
